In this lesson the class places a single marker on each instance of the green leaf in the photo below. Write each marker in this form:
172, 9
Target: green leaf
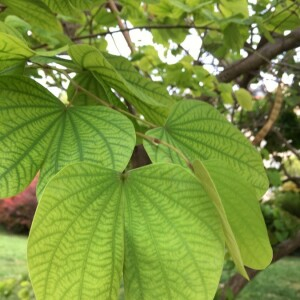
234, 7
242, 220
6, 28
53, 52
172, 248
36, 13
173, 239
14, 51
53, 135
244, 98
149, 98
90, 83
201, 132
226, 92
70, 7
208, 185
274, 177
76, 245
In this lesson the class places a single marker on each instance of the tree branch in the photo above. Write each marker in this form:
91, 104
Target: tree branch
147, 27
125, 32
261, 56
286, 142
238, 282
274, 113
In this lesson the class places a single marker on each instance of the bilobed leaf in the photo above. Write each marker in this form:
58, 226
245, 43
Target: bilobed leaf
146, 96
244, 98
243, 224
201, 132
13, 51
76, 244
38, 131
158, 218
36, 13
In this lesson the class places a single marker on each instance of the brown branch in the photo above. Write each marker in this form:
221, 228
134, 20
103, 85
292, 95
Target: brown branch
237, 282
286, 143
272, 117
147, 27
294, 179
122, 26
262, 56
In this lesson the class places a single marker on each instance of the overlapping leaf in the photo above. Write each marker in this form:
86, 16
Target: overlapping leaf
36, 13
69, 7
148, 97
14, 52
201, 132
99, 89
159, 215
38, 131
243, 224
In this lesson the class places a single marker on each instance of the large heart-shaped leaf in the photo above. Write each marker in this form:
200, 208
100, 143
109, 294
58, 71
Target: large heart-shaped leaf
39, 131
158, 218
149, 98
243, 224
201, 132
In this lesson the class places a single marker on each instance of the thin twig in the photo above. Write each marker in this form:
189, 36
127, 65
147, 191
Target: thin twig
286, 143
274, 113
147, 27
122, 26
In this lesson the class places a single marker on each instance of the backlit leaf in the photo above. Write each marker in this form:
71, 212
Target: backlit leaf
147, 96
36, 13
242, 220
76, 243
201, 132
14, 51
173, 240
244, 98
158, 218
38, 131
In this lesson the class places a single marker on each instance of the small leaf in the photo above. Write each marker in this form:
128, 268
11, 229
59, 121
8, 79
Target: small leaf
201, 132
54, 135
244, 98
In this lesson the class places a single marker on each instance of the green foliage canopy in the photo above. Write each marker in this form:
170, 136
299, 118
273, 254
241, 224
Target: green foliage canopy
163, 227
